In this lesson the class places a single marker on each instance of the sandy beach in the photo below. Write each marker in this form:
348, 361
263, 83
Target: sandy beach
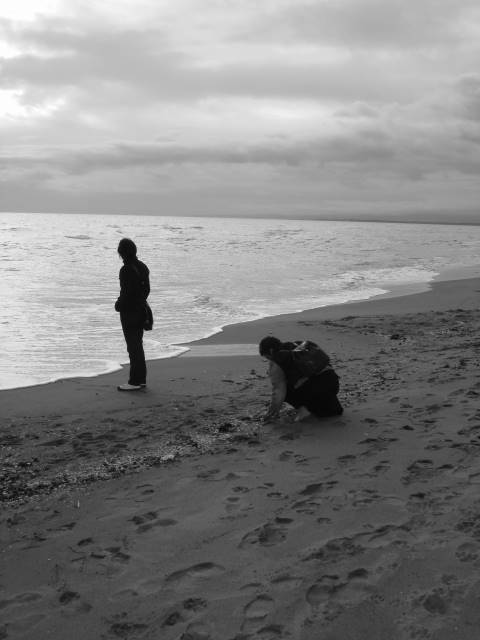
175, 513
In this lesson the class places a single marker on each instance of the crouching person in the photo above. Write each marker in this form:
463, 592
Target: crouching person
302, 376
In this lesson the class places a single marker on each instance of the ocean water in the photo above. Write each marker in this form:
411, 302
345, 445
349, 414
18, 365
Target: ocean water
59, 279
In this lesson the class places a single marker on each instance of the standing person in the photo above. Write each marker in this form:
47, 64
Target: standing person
301, 374
134, 291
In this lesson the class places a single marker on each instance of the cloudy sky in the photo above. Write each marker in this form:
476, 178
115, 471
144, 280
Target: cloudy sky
240, 107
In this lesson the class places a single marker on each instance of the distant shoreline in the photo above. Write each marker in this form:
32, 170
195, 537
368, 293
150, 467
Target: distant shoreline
462, 220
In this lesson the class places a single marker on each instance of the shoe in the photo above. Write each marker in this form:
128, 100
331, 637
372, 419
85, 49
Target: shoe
143, 385
129, 387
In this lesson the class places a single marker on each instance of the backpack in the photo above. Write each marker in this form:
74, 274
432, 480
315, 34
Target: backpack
309, 359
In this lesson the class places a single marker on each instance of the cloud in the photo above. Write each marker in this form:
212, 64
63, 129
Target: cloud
100, 62
332, 99
468, 89
373, 24
402, 141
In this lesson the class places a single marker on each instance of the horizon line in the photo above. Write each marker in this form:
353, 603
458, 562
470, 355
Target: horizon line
381, 218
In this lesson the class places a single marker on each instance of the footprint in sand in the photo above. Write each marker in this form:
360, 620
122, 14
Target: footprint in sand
468, 552
290, 436
380, 468
419, 471
208, 474
240, 489
307, 507
194, 604
335, 549
173, 618
323, 589
126, 629
256, 612
195, 573
312, 489
310, 505
470, 525
435, 603
320, 487
270, 632
376, 444
276, 494
389, 534
110, 553
363, 497
117, 554
150, 520
269, 534
237, 475
346, 459
331, 593
235, 506
286, 582
147, 489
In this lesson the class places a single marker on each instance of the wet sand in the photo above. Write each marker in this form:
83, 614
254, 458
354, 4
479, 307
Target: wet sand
174, 513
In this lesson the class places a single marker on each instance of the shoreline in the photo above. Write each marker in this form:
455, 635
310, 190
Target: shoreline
100, 390
405, 218
221, 335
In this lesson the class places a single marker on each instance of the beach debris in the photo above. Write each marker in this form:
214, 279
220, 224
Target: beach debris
226, 427
81, 460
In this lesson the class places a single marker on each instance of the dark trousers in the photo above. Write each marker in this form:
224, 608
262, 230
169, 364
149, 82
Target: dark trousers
133, 332
318, 394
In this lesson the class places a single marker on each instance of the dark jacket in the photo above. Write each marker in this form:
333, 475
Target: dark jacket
134, 287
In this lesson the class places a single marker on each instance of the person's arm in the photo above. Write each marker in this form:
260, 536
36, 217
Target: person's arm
279, 391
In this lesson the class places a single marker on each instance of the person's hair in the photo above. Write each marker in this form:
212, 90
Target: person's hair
127, 248
269, 344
